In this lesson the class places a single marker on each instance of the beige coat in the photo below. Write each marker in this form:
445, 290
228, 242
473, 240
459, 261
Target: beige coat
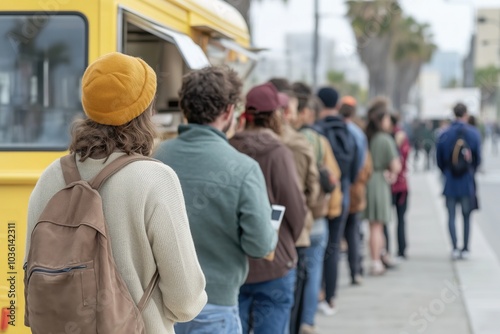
308, 176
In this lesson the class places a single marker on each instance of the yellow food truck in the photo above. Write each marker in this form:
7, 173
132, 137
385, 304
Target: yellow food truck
45, 46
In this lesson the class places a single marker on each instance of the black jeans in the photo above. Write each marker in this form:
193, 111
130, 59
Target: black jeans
296, 314
400, 201
353, 237
336, 228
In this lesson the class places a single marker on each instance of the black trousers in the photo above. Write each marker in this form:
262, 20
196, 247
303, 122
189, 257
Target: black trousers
336, 228
353, 237
400, 201
296, 313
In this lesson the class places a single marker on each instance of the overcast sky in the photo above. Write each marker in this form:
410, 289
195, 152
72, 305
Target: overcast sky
452, 21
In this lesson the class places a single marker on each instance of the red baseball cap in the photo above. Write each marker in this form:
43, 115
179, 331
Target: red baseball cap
263, 98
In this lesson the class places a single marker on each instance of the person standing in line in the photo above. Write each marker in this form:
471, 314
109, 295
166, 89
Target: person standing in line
458, 158
352, 233
400, 187
225, 192
266, 299
143, 204
386, 167
344, 147
330, 193
308, 176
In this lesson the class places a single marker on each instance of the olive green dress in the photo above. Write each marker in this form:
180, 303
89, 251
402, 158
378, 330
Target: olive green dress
378, 192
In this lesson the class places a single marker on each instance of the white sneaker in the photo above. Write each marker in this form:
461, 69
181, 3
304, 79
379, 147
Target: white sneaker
455, 254
465, 255
327, 309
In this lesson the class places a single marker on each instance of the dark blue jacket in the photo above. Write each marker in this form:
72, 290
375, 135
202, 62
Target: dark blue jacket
463, 186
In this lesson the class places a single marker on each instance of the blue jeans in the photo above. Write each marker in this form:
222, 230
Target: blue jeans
213, 319
314, 262
265, 307
451, 205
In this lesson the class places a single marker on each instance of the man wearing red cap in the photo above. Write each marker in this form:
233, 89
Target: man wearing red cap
266, 299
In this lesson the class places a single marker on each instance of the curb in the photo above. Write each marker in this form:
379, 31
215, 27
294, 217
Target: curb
479, 277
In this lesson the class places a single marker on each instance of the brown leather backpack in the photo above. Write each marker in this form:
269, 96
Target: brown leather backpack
71, 281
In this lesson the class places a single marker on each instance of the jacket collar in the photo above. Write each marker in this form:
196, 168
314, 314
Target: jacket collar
200, 132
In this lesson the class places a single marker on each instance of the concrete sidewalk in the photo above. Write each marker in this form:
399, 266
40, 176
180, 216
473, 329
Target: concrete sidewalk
424, 294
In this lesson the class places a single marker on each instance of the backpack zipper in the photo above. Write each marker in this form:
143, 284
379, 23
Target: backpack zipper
57, 271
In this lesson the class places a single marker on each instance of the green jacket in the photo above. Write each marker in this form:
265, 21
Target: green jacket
227, 204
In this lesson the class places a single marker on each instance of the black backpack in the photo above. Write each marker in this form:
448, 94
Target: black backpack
461, 156
343, 145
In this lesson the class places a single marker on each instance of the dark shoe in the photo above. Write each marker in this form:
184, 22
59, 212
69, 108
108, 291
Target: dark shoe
357, 280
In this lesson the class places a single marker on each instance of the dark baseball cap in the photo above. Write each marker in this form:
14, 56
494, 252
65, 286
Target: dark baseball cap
263, 98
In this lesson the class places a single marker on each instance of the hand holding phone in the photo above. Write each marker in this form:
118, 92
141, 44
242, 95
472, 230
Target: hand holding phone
277, 215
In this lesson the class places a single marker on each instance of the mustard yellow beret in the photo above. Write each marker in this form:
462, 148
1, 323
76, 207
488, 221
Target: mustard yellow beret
117, 88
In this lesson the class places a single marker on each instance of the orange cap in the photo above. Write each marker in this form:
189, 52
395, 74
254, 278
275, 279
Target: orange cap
349, 100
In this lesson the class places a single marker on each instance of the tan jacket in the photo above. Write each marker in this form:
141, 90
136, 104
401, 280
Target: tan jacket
358, 189
308, 176
335, 204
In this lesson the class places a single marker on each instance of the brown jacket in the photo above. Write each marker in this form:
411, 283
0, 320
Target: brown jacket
308, 176
358, 189
278, 167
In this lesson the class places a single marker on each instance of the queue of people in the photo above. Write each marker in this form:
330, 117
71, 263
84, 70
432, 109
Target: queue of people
200, 214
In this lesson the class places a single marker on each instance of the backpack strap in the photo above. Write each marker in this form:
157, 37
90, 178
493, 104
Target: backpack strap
114, 167
69, 169
149, 291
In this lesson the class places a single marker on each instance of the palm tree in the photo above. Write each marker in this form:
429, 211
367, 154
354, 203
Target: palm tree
414, 48
374, 24
393, 47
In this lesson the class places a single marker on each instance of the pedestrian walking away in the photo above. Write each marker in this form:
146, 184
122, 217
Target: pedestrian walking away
459, 157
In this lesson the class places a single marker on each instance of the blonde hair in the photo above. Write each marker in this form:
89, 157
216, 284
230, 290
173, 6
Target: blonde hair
91, 139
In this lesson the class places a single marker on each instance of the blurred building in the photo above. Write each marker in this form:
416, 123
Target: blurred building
299, 53
487, 54
437, 102
449, 66
354, 70
468, 64
487, 43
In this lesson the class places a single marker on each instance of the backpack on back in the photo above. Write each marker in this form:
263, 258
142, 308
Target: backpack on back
71, 281
343, 146
461, 156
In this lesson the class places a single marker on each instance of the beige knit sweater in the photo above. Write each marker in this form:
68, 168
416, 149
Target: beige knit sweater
147, 221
